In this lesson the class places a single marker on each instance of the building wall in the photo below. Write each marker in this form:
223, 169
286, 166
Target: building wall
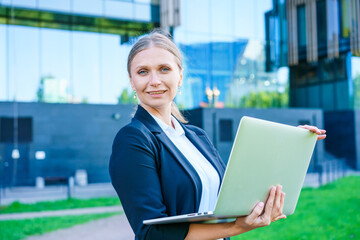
79, 136
357, 138
72, 136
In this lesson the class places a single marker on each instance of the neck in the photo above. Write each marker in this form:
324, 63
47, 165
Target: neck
163, 113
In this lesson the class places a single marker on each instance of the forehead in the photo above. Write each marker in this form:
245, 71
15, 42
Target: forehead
153, 56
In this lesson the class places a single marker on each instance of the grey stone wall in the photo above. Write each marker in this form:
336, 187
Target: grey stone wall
79, 136
73, 136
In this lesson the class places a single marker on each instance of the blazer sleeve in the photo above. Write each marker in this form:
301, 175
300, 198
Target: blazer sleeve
134, 175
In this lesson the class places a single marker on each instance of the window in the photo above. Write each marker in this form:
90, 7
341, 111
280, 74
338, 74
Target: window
226, 130
344, 17
321, 27
301, 31
24, 131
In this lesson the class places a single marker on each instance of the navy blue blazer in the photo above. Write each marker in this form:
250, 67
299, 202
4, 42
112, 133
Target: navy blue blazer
152, 177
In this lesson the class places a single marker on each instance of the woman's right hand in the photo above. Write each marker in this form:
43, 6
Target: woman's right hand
260, 217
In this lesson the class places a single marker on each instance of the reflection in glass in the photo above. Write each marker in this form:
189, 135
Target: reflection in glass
54, 85
345, 25
321, 27
23, 60
301, 31
355, 73
3, 64
85, 75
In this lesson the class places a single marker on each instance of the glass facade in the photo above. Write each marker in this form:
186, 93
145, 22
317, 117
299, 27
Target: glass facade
224, 55
329, 80
355, 73
69, 51
301, 31
321, 27
75, 51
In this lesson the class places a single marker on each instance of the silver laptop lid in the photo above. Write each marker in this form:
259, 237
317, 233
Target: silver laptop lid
264, 154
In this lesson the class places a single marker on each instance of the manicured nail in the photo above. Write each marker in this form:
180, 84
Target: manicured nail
261, 204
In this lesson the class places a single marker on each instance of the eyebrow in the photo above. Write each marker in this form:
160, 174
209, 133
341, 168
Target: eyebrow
160, 65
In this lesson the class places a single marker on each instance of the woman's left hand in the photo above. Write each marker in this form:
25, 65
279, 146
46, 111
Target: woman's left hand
320, 132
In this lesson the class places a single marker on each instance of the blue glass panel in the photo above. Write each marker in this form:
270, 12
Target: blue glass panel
342, 95
20, 3
3, 82
85, 73
117, 9
314, 96
327, 96
142, 12
114, 77
321, 27
55, 5
88, 7
248, 18
24, 63
196, 16
301, 31
300, 96
56, 65
221, 18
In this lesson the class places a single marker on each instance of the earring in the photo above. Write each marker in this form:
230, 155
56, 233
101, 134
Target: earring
179, 90
135, 96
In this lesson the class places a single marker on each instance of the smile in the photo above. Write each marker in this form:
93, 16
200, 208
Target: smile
157, 92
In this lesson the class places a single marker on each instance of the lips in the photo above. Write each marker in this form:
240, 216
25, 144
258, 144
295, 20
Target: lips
157, 92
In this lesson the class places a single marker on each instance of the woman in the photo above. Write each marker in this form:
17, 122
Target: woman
161, 167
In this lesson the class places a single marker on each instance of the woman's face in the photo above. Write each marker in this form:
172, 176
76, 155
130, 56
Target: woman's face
155, 76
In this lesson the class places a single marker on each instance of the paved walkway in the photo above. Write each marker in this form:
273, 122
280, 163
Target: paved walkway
112, 228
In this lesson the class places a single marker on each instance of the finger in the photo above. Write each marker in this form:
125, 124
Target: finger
321, 137
282, 201
269, 203
311, 128
283, 216
277, 196
256, 212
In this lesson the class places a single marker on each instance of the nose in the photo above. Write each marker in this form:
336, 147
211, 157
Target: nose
154, 79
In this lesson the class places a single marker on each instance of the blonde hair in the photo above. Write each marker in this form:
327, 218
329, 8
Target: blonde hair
161, 39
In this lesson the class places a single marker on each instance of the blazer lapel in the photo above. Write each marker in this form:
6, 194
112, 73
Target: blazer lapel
189, 169
205, 150
143, 116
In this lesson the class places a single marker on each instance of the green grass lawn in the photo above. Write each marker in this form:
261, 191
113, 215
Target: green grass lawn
58, 205
19, 229
329, 212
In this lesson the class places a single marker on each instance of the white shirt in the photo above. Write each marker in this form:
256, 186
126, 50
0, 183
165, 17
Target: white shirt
209, 177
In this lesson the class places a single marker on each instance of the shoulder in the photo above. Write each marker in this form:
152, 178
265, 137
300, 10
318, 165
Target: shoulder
198, 131
134, 133
195, 129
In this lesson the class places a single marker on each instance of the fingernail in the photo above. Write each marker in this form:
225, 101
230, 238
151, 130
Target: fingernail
261, 204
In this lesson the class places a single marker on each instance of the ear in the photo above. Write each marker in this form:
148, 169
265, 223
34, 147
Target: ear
131, 82
181, 78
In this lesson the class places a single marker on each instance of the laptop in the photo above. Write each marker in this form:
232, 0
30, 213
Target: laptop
263, 154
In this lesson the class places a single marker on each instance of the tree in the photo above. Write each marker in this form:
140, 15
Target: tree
126, 99
264, 99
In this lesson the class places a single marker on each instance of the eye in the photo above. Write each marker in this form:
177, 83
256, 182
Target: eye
165, 69
142, 72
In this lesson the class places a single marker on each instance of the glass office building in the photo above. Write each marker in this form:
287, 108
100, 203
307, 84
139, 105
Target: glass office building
319, 41
75, 51
69, 51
